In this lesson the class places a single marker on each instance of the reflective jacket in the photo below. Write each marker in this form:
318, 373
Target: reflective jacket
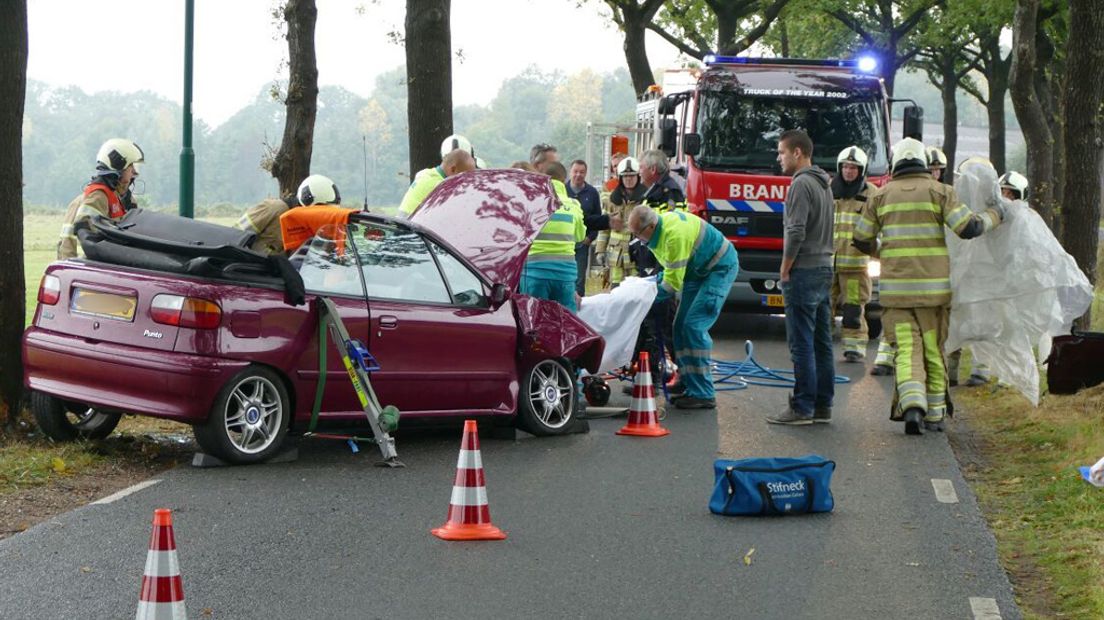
848, 212
687, 247
556, 240
909, 213
264, 221
666, 195
424, 183
301, 224
96, 199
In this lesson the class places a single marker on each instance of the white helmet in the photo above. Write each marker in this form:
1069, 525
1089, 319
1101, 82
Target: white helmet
456, 141
852, 155
480, 164
318, 190
118, 153
1014, 181
937, 158
909, 150
629, 165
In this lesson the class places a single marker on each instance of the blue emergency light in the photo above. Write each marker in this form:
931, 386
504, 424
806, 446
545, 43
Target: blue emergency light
865, 64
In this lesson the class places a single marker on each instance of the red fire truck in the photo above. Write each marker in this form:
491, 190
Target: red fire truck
722, 134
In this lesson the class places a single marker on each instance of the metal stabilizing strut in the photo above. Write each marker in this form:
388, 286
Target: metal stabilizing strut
359, 363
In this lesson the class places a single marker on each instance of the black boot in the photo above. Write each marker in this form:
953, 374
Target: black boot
914, 421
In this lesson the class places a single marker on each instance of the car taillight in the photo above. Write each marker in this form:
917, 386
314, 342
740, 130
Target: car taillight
49, 291
185, 312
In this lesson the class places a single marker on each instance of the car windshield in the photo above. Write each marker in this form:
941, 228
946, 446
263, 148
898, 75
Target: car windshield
740, 132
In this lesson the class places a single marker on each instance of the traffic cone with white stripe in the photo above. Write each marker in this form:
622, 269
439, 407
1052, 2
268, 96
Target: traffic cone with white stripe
162, 595
469, 516
643, 416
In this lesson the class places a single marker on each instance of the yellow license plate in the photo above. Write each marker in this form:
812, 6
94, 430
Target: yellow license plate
108, 305
774, 301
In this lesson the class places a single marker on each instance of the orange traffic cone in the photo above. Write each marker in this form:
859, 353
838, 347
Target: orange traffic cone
162, 595
643, 417
469, 516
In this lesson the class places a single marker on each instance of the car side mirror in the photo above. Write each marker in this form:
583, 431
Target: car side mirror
691, 144
499, 294
914, 122
667, 136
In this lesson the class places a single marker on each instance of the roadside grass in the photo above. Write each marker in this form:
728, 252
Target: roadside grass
27, 463
1048, 522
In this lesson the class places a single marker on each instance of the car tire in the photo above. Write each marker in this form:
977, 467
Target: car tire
249, 418
63, 420
546, 399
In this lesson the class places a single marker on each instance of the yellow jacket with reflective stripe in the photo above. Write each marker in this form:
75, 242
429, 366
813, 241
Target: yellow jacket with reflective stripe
848, 212
424, 183
82, 206
264, 220
909, 213
557, 239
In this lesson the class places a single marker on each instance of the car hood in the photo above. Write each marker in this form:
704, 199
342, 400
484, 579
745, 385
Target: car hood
491, 217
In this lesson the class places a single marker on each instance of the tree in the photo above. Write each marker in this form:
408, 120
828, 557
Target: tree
632, 18
986, 21
291, 163
941, 57
429, 80
13, 73
698, 27
1084, 151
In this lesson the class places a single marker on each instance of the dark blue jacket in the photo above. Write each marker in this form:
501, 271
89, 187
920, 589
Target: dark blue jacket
591, 203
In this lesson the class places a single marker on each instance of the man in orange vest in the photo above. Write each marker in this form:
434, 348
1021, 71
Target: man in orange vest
107, 194
321, 206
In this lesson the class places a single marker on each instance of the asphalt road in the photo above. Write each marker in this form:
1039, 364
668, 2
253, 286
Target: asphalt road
600, 526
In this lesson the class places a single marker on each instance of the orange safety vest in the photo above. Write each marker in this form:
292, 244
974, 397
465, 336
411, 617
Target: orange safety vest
300, 224
115, 208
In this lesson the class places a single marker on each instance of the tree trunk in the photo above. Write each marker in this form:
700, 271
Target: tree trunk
727, 22
636, 55
948, 88
1029, 110
784, 38
428, 80
1084, 151
292, 162
997, 77
13, 74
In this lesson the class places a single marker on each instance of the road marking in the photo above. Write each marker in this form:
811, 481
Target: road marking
984, 608
127, 491
944, 491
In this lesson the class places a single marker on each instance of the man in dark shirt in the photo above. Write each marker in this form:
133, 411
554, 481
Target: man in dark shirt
591, 203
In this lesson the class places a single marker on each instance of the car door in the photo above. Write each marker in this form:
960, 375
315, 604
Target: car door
441, 346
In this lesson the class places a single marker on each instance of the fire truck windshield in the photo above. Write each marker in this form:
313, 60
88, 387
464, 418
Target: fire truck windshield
740, 132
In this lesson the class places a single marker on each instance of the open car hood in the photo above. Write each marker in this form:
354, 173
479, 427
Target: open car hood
491, 217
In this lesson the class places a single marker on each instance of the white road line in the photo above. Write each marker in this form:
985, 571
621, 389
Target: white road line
127, 491
944, 491
984, 608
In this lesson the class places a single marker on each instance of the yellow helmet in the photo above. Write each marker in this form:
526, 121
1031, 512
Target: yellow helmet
318, 190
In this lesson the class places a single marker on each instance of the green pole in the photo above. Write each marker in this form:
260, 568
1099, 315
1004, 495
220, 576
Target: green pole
187, 154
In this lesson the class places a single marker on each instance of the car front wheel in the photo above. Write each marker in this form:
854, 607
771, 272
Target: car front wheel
63, 420
547, 400
249, 419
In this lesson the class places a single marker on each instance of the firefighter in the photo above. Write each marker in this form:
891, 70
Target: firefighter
1013, 185
700, 264
550, 270
264, 220
883, 360
664, 193
107, 194
457, 155
321, 206
612, 247
850, 281
937, 163
909, 213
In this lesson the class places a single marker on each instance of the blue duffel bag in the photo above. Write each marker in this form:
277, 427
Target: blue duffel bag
772, 486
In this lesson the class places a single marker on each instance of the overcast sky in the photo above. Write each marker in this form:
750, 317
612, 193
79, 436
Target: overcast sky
129, 45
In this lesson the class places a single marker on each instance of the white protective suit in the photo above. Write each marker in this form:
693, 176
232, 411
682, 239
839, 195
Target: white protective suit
1013, 288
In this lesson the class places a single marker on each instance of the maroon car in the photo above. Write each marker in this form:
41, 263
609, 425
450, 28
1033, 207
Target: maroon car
204, 334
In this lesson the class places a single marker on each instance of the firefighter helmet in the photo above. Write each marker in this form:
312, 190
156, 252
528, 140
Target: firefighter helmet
456, 141
118, 153
909, 151
629, 165
318, 190
937, 158
852, 155
1014, 181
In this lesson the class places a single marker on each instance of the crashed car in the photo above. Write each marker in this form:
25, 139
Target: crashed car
201, 330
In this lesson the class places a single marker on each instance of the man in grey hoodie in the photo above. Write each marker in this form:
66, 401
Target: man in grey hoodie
806, 277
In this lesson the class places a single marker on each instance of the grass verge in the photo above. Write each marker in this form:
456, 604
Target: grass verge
1048, 522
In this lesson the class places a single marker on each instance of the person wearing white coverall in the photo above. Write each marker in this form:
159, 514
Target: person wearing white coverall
701, 264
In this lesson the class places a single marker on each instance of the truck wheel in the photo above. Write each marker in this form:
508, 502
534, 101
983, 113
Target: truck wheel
63, 420
249, 419
546, 402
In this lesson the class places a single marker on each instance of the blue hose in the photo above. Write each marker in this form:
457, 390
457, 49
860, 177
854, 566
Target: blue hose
731, 376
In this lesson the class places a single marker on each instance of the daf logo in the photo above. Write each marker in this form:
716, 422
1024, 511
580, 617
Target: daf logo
728, 219
148, 334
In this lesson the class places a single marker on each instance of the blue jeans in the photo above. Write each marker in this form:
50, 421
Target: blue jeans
582, 258
809, 334
562, 291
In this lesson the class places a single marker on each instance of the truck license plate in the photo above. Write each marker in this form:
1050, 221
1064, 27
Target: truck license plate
774, 301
